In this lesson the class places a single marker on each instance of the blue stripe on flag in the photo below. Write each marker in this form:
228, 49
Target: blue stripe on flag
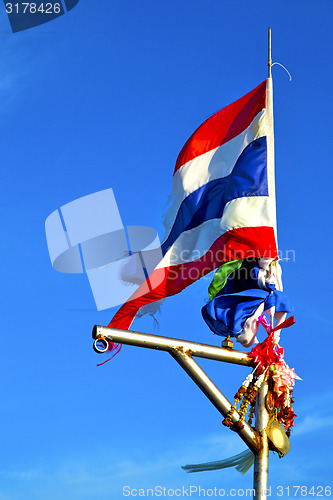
248, 178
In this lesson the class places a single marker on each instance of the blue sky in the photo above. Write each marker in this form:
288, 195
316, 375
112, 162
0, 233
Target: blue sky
105, 97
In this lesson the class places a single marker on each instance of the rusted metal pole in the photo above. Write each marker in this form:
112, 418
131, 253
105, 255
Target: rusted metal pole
269, 53
247, 434
182, 351
169, 344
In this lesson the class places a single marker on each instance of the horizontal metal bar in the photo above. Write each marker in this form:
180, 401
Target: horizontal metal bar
247, 434
169, 344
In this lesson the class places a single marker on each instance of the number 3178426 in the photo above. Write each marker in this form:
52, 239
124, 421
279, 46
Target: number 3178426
33, 8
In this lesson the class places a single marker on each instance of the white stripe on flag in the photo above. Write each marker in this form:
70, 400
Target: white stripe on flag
254, 211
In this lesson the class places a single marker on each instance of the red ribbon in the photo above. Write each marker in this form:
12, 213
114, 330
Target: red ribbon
112, 347
267, 352
286, 324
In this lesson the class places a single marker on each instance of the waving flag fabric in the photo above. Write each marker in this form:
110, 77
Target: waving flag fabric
223, 202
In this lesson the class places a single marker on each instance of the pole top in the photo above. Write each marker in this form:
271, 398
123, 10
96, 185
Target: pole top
269, 53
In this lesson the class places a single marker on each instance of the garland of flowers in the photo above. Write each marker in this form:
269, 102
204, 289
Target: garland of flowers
268, 357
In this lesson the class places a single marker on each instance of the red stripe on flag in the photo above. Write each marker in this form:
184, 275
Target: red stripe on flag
224, 125
241, 243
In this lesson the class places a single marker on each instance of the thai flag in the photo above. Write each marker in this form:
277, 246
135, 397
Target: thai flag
223, 201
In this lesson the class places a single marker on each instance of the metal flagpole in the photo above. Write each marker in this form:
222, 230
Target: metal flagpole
269, 53
260, 476
261, 457
183, 351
